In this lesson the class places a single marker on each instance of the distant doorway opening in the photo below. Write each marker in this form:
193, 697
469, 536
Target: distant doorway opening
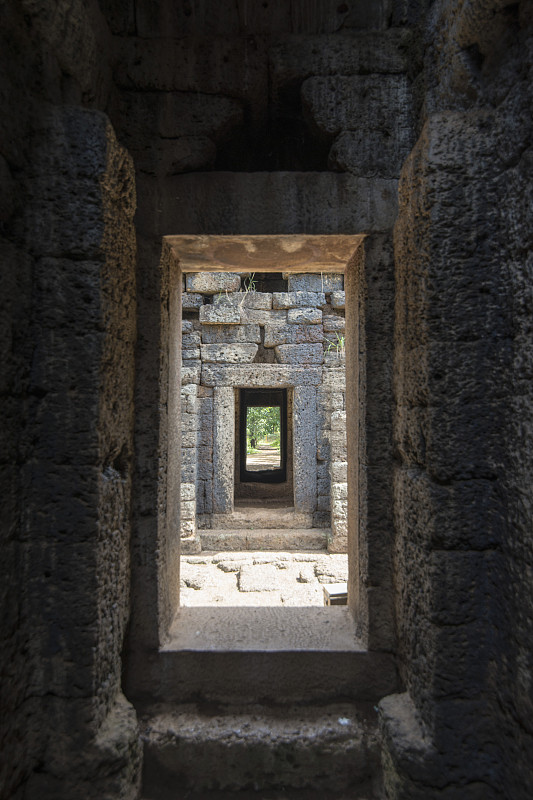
263, 435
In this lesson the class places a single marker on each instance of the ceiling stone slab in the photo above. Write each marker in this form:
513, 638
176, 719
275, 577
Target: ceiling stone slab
287, 253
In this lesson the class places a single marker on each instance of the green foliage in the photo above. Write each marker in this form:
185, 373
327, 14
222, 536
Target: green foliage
337, 344
250, 284
262, 420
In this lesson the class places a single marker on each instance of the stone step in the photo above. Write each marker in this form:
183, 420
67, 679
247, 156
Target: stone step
254, 518
288, 539
262, 654
198, 749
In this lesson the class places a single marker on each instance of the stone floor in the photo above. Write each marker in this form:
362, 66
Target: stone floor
259, 578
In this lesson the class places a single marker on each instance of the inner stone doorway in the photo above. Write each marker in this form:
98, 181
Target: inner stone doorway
264, 533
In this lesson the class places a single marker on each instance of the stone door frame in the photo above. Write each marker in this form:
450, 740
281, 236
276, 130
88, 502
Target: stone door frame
304, 382
368, 266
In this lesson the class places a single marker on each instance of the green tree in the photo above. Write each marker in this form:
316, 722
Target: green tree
262, 420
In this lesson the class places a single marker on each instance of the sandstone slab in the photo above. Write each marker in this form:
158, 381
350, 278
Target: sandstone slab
301, 354
229, 334
258, 578
314, 282
292, 334
298, 299
220, 315
256, 300
212, 282
304, 316
237, 353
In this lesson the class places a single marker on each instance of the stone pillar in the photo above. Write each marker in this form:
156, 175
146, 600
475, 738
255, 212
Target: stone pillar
304, 448
223, 448
339, 485
76, 562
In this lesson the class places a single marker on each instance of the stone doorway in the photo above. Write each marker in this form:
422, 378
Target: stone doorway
245, 346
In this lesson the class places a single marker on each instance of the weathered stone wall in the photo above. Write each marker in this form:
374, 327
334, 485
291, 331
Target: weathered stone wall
68, 299
227, 325
229, 112
463, 417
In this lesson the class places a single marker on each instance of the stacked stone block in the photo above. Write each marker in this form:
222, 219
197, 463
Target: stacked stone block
226, 326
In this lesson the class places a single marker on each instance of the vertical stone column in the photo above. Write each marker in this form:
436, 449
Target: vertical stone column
304, 448
223, 448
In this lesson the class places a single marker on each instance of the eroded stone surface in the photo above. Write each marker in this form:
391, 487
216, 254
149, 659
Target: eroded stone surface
212, 282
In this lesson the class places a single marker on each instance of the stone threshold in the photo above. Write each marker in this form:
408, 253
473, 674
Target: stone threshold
264, 629
262, 655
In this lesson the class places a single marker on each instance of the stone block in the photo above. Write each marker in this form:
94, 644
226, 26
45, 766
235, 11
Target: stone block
204, 470
338, 300
369, 103
339, 491
220, 315
189, 402
295, 58
273, 375
323, 503
338, 445
330, 400
189, 438
189, 422
256, 300
205, 407
229, 353
321, 519
174, 115
194, 62
205, 391
262, 316
334, 379
187, 528
338, 421
213, 282
258, 578
190, 374
187, 510
228, 334
323, 447
188, 456
190, 301
304, 316
304, 447
223, 448
186, 327
190, 339
301, 354
315, 282
323, 484
339, 471
190, 354
292, 334
188, 473
334, 357
322, 473
188, 491
205, 437
381, 154
228, 200
298, 299
333, 324
173, 156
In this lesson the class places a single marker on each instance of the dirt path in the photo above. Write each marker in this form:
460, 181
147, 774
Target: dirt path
268, 458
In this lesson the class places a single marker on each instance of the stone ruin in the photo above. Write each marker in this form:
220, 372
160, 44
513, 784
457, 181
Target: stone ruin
233, 338
387, 141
